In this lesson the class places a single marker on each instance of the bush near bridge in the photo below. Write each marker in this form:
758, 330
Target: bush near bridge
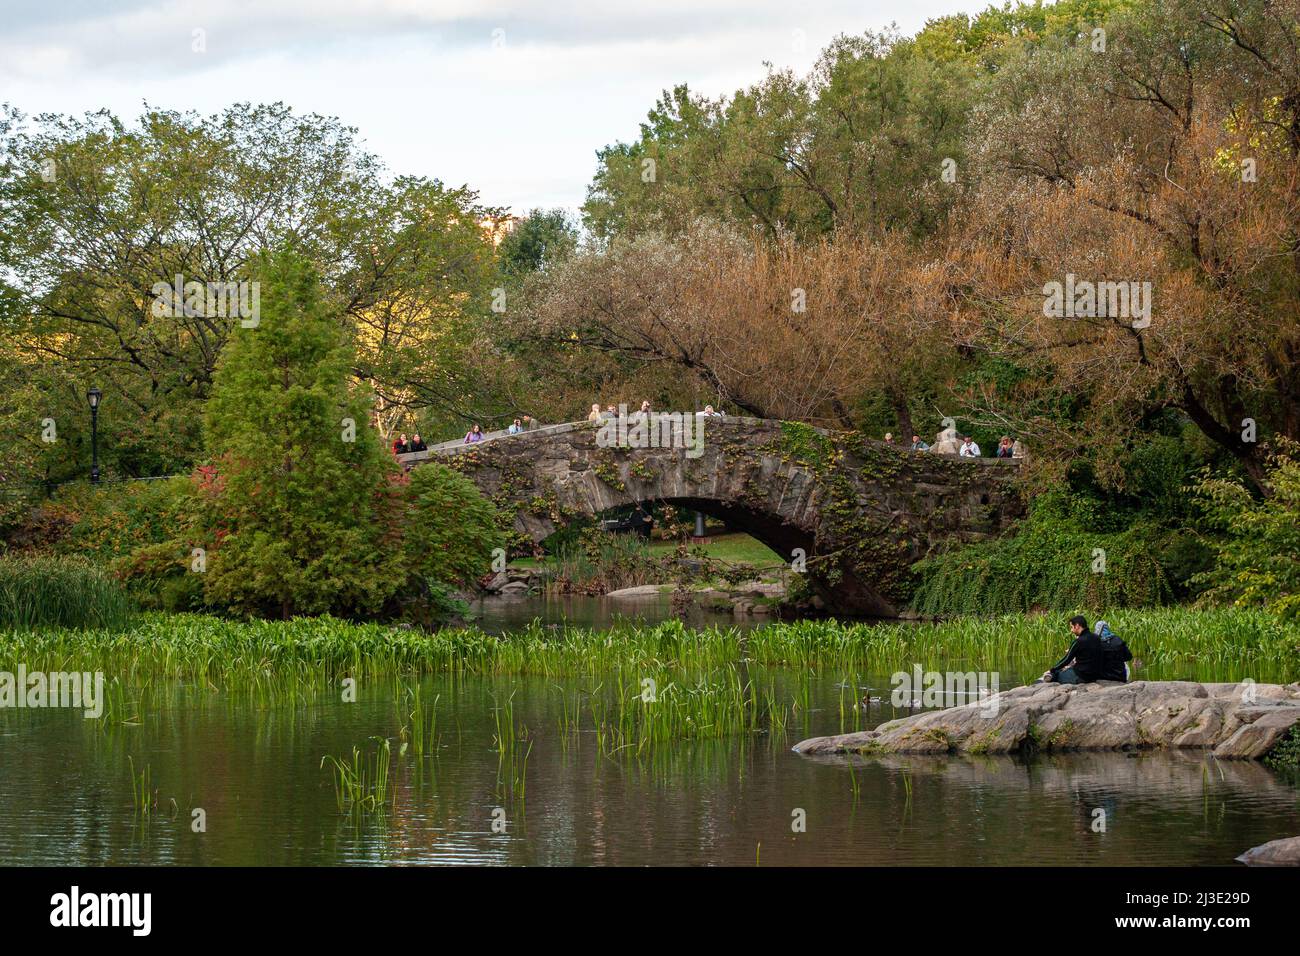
1052, 561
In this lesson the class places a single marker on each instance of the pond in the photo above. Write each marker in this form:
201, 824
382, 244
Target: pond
253, 775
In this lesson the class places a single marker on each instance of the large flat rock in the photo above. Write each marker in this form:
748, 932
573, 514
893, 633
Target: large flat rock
1285, 852
1235, 721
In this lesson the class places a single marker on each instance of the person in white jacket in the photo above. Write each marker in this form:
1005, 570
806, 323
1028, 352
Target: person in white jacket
968, 448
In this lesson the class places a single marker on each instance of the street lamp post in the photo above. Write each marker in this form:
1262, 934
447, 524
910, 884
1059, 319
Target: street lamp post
93, 396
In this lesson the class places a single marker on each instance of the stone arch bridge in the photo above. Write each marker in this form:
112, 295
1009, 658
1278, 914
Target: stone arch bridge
861, 511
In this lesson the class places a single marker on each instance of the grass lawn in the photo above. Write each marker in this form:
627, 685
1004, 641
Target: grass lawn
734, 548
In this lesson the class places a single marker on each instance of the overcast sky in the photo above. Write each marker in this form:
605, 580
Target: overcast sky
513, 98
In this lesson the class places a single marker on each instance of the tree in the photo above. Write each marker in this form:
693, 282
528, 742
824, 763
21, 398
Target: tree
538, 240
302, 506
774, 329
1167, 160
873, 139
95, 213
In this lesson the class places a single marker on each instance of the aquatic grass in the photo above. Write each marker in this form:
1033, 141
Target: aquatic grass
293, 662
361, 785
512, 773
690, 706
143, 799
60, 591
424, 724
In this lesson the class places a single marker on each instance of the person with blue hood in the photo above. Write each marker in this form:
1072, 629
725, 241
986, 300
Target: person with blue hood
1115, 654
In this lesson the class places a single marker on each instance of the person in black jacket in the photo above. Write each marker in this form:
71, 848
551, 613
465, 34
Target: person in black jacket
1082, 663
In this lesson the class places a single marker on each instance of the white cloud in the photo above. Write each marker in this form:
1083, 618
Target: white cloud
421, 80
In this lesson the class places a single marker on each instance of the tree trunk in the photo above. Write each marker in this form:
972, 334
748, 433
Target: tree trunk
904, 415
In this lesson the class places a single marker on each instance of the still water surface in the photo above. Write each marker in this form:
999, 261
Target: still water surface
66, 793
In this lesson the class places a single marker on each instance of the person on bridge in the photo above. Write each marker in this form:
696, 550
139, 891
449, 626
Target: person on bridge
968, 448
401, 446
594, 415
475, 434
1082, 663
918, 445
1004, 447
515, 427
417, 443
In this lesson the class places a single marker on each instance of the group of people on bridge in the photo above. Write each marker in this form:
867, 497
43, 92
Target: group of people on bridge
403, 445
965, 446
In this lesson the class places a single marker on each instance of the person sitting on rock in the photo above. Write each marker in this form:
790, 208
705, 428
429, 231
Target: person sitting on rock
1082, 663
1115, 654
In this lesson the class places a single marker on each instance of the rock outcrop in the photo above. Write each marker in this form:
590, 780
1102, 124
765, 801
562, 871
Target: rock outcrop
1274, 853
515, 582
1234, 721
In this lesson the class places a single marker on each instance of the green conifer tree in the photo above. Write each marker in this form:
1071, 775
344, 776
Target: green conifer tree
303, 510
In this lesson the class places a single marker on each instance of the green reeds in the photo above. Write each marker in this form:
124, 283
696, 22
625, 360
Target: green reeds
418, 727
144, 800
361, 785
294, 661
48, 591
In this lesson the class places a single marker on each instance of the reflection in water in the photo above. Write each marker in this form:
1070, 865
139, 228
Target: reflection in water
65, 792
499, 615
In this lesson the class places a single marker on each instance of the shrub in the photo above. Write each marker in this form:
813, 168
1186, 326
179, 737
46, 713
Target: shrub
112, 521
451, 529
1050, 563
159, 577
1257, 560
599, 562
